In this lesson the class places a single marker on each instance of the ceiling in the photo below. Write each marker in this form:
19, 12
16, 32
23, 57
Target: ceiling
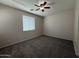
26, 5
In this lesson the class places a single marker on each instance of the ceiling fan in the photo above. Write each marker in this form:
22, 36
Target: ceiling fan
42, 6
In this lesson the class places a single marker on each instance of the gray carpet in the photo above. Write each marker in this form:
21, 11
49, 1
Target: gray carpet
40, 47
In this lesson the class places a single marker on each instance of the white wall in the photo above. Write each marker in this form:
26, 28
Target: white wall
76, 28
11, 26
60, 25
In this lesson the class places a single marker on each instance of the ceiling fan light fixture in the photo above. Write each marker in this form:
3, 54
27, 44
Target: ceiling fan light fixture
41, 8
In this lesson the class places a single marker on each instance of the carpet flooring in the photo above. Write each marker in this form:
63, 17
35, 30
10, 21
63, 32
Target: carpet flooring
40, 47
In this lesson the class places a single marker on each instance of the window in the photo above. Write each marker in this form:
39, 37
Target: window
28, 23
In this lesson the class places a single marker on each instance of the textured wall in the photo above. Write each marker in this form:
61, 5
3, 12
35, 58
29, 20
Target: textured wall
11, 26
60, 25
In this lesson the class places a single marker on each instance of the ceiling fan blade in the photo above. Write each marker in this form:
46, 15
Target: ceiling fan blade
42, 10
37, 9
47, 7
37, 5
44, 3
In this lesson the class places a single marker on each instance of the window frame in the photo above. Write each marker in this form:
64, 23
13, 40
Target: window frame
23, 23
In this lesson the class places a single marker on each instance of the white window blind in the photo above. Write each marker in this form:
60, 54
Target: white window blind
28, 23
